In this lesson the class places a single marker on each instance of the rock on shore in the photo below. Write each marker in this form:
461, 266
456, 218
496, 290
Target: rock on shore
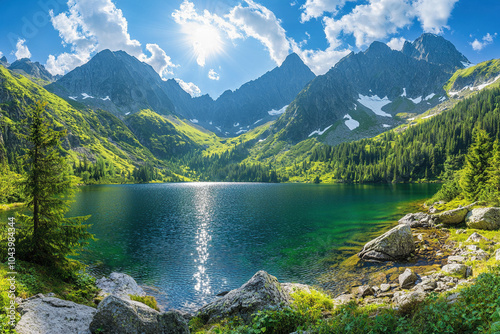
395, 244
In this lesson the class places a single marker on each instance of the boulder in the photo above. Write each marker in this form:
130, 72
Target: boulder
407, 279
119, 284
121, 316
475, 237
497, 255
344, 299
260, 292
456, 269
364, 291
451, 217
47, 315
395, 244
385, 287
456, 259
484, 219
402, 299
418, 219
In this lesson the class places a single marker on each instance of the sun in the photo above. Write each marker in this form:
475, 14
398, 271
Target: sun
205, 40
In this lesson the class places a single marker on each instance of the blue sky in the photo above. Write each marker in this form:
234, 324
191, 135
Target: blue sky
212, 46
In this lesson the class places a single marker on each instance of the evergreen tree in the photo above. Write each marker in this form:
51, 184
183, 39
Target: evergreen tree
475, 173
47, 237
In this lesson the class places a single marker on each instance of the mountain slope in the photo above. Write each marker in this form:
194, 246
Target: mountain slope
117, 82
363, 93
474, 78
32, 70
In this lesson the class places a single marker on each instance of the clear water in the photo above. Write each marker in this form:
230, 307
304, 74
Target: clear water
193, 240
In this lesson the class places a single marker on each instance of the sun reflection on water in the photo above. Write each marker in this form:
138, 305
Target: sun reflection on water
203, 237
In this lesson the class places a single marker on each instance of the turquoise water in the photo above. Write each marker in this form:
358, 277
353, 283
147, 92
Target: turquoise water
194, 240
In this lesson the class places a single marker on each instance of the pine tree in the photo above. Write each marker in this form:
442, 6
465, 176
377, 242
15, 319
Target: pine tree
47, 237
475, 173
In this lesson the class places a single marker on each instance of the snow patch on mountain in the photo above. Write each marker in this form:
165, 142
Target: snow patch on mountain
442, 99
350, 122
416, 100
274, 112
106, 98
194, 120
404, 92
319, 132
260, 120
87, 96
467, 65
241, 131
386, 125
430, 96
73, 97
375, 104
236, 124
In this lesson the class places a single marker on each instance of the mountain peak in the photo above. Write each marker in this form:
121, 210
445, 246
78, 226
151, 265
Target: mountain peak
378, 48
437, 50
36, 70
292, 58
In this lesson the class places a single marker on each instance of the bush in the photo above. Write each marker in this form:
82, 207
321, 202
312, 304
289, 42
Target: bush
147, 300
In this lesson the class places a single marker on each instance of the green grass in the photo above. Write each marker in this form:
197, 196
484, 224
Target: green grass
146, 300
486, 71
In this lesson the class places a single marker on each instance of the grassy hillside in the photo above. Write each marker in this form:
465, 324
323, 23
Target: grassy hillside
474, 76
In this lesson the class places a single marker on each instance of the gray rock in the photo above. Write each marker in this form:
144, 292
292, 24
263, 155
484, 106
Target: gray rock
484, 219
451, 217
121, 316
456, 259
364, 291
407, 279
395, 244
119, 284
385, 287
173, 322
290, 288
48, 315
418, 219
497, 255
343, 299
460, 231
260, 292
475, 237
401, 299
455, 269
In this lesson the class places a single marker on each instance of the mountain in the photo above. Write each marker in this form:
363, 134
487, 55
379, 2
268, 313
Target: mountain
368, 92
253, 104
435, 50
32, 70
117, 82
474, 78
4, 62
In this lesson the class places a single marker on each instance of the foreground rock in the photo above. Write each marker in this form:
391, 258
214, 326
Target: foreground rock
290, 288
484, 219
119, 316
260, 292
48, 315
407, 279
458, 269
452, 217
119, 284
395, 244
418, 219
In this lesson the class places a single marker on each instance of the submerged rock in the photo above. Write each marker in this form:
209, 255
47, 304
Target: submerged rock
395, 244
47, 315
119, 284
119, 316
451, 217
484, 219
418, 219
260, 292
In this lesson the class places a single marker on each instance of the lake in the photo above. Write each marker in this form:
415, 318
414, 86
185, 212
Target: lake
191, 241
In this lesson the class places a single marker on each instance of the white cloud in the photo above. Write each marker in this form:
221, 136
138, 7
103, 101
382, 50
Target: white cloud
320, 61
397, 43
370, 22
158, 60
315, 8
486, 40
22, 50
1, 54
189, 88
434, 14
260, 23
94, 25
212, 75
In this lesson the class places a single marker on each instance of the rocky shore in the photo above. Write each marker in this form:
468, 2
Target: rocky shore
411, 238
